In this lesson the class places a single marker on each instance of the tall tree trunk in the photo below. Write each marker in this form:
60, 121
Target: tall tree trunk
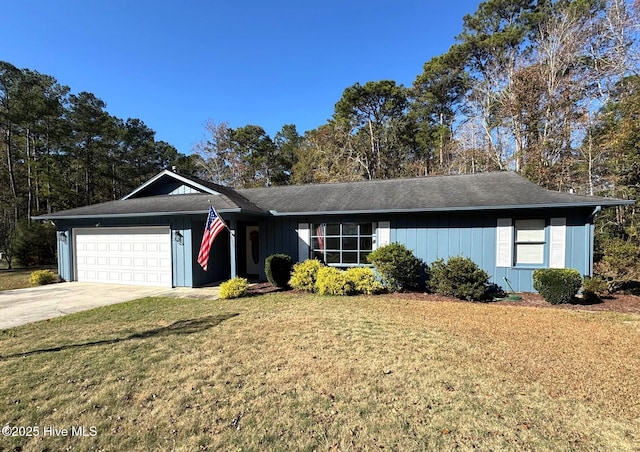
29, 181
12, 178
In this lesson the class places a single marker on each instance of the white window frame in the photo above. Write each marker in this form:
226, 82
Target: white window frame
323, 251
554, 244
529, 234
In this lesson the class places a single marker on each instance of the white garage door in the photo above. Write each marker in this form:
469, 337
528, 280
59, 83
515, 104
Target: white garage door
140, 256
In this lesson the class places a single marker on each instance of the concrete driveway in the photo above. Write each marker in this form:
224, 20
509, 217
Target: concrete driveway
21, 306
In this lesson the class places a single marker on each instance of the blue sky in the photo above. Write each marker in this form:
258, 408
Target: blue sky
177, 64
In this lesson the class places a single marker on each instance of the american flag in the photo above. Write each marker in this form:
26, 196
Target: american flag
211, 230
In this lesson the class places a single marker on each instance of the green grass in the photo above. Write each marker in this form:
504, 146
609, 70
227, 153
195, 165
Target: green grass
293, 372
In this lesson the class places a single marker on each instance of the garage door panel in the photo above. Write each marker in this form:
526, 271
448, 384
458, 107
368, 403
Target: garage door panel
140, 256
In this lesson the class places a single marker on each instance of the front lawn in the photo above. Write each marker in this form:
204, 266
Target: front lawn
17, 278
286, 371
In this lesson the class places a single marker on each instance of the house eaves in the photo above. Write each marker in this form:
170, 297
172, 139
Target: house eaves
161, 205
448, 209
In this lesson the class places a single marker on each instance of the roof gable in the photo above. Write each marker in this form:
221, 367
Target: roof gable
170, 183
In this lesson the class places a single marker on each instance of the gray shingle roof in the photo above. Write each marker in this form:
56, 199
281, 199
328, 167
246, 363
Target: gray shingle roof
158, 205
483, 191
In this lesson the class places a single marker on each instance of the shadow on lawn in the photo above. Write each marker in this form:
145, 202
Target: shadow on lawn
178, 328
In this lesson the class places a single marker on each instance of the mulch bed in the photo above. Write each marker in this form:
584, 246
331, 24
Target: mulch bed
614, 303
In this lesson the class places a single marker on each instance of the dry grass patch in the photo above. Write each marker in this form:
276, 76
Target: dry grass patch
292, 372
15, 279
19, 278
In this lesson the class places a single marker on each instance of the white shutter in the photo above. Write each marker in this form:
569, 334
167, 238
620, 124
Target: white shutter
557, 239
504, 240
304, 241
384, 233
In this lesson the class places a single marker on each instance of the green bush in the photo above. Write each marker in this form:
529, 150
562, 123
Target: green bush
304, 275
459, 277
42, 277
278, 269
234, 288
331, 281
593, 288
620, 262
557, 285
363, 280
398, 268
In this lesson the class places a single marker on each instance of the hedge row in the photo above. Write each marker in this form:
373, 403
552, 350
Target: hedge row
312, 276
398, 269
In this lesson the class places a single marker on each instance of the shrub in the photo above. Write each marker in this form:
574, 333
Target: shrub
557, 285
398, 268
304, 275
620, 262
593, 288
234, 288
42, 277
331, 281
459, 277
278, 269
363, 280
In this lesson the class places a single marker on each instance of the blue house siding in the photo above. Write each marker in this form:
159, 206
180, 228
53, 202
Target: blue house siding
64, 253
278, 235
433, 236
473, 235
181, 250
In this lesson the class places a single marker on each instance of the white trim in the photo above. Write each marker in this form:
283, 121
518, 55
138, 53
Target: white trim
384, 233
504, 243
558, 240
304, 241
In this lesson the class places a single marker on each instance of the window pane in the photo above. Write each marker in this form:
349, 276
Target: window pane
366, 229
366, 243
318, 255
333, 257
349, 229
332, 243
349, 243
317, 229
350, 258
363, 257
529, 254
333, 229
315, 244
529, 230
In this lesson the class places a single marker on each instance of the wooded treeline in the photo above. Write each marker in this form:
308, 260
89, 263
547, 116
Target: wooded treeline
547, 88
535, 86
62, 150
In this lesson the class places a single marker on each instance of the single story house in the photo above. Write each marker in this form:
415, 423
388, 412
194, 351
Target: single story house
506, 224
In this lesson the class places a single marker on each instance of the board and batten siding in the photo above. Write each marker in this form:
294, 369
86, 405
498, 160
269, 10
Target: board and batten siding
433, 236
443, 235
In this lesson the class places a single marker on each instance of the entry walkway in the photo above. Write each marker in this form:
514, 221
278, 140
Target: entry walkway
21, 306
